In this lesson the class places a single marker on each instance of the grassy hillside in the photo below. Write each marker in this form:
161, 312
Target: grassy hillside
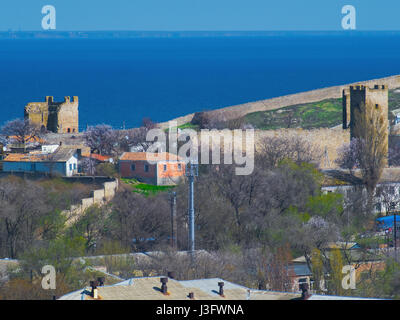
322, 114
326, 113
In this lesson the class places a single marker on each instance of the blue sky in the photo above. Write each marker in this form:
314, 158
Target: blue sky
171, 15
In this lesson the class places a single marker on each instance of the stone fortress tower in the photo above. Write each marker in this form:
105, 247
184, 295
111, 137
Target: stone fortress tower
365, 107
58, 117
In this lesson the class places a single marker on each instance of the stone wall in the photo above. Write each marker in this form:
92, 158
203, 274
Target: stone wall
99, 197
326, 140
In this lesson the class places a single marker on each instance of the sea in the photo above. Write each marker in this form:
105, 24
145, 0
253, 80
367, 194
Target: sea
123, 80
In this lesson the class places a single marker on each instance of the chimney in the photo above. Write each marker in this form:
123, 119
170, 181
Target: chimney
221, 288
164, 288
101, 280
191, 295
94, 294
304, 291
171, 274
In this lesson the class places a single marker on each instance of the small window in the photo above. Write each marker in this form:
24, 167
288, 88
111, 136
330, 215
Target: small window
376, 106
133, 167
165, 167
74, 166
69, 130
70, 166
179, 167
146, 168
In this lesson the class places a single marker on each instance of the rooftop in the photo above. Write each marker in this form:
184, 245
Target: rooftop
148, 288
62, 154
96, 156
148, 156
339, 177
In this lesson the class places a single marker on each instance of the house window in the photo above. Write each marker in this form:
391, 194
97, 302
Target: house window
301, 281
69, 130
146, 168
133, 167
179, 167
165, 167
74, 166
70, 166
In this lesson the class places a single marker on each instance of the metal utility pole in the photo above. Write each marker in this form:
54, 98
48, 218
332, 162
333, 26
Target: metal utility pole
191, 172
173, 221
395, 236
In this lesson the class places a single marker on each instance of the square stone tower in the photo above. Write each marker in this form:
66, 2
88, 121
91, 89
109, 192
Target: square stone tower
365, 111
58, 117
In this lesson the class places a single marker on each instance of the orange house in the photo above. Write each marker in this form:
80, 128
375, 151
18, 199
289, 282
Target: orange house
152, 168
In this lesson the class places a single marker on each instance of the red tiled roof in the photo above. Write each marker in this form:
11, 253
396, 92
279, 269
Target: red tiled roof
61, 155
143, 156
96, 156
28, 139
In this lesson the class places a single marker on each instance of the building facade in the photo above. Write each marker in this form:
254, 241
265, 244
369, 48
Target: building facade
152, 168
62, 162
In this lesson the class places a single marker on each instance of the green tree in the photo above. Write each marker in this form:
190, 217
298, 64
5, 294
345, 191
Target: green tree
336, 275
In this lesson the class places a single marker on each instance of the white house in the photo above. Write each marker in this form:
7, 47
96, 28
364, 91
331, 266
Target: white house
63, 161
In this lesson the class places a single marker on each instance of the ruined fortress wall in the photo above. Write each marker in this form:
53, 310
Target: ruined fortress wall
68, 116
329, 139
37, 113
58, 117
238, 111
99, 197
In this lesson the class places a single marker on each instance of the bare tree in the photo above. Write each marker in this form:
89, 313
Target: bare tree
372, 146
137, 221
272, 150
21, 130
102, 139
348, 155
21, 207
133, 138
148, 123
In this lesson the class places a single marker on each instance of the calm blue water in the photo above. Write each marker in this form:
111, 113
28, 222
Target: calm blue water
162, 78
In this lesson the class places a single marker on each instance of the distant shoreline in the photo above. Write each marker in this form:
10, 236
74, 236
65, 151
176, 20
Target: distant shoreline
120, 34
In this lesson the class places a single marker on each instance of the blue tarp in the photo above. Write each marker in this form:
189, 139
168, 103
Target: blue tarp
387, 222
